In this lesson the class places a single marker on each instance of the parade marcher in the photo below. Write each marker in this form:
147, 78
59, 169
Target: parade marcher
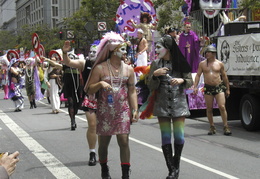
216, 86
169, 75
89, 105
53, 78
32, 83
4, 72
71, 90
113, 80
14, 75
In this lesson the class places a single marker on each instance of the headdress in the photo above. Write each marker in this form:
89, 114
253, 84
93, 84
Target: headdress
140, 31
179, 62
29, 61
211, 48
171, 29
4, 60
95, 43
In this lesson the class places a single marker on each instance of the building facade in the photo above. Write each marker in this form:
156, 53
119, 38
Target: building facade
7, 15
49, 12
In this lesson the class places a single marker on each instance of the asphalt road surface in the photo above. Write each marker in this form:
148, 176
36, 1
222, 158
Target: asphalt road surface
48, 149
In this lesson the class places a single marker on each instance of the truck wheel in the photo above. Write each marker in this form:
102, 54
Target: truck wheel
250, 112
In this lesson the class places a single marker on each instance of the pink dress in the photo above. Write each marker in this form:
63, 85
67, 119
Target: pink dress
113, 120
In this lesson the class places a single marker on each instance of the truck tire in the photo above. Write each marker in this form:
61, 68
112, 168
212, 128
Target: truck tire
249, 112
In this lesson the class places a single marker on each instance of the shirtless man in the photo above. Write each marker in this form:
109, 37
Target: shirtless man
214, 72
142, 46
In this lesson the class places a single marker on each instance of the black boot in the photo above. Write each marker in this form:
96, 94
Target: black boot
31, 105
34, 104
92, 159
125, 171
177, 157
167, 152
73, 124
105, 171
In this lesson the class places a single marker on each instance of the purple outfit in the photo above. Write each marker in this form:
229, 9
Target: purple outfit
189, 45
116, 119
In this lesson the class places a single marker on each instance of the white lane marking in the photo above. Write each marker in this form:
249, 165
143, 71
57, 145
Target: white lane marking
187, 160
49, 161
182, 158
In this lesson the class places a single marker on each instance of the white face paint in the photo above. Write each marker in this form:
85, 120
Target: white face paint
160, 50
211, 5
92, 53
121, 51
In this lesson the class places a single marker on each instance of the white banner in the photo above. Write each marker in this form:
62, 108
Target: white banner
240, 54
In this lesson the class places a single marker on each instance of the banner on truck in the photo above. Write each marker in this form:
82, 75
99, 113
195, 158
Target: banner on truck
240, 54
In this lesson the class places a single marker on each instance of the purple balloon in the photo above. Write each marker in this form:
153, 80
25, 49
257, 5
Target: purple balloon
132, 9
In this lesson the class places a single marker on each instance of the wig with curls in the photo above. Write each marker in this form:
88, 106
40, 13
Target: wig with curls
145, 15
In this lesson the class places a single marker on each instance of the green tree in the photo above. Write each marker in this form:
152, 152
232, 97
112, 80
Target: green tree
168, 13
7, 40
49, 38
91, 12
249, 4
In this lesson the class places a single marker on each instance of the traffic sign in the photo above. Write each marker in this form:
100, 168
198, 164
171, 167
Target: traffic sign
12, 54
70, 34
35, 41
41, 51
102, 26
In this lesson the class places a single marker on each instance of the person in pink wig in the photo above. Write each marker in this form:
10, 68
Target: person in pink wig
114, 81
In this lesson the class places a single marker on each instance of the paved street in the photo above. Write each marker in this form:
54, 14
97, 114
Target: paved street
48, 149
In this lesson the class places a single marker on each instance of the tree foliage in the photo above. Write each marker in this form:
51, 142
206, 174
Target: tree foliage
49, 38
168, 13
92, 12
7, 40
249, 4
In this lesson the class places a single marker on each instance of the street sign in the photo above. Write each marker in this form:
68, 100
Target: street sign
35, 41
41, 51
12, 54
102, 26
70, 34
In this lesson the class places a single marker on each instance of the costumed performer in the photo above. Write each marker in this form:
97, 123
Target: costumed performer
89, 105
169, 75
114, 82
4, 72
146, 25
32, 81
15, 94
189, 44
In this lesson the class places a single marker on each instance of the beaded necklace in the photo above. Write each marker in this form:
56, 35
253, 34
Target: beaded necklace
115, 89
27, 73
